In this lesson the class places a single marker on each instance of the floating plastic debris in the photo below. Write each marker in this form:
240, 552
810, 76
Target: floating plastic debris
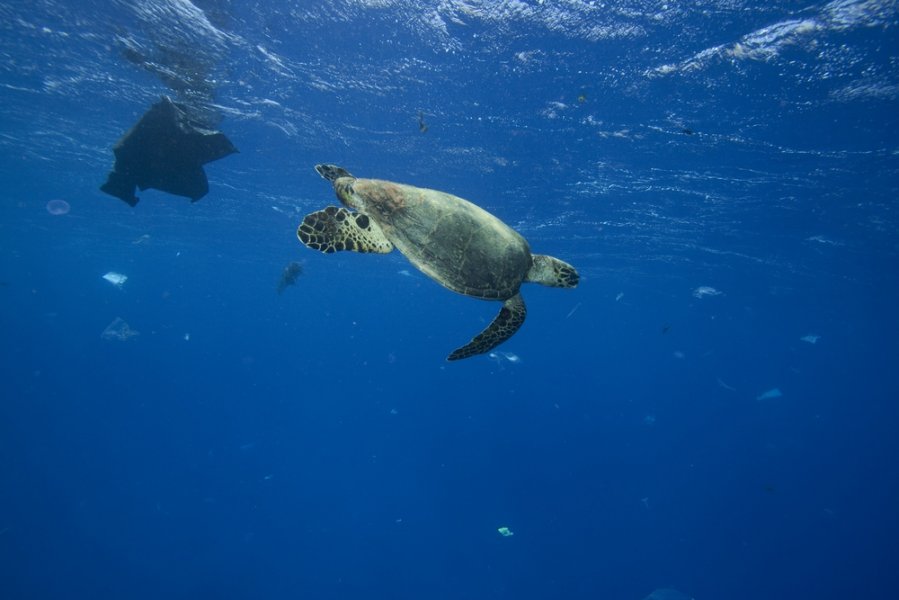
116, 279
705, 290
573, 310
823, 240
505, 532
404, 273
811, 339
725, 386
770, 394
118, 330
507, 356
58, 207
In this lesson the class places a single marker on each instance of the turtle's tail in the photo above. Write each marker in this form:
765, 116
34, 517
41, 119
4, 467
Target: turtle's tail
332, 172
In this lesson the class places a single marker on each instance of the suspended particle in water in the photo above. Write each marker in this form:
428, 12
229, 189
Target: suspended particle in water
706, 290
58, 207
769, 395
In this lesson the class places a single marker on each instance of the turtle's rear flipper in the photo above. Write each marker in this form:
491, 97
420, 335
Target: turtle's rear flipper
504, 326
332, 172
334, 229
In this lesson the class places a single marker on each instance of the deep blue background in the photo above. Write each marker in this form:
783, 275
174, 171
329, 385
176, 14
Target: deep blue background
315, 444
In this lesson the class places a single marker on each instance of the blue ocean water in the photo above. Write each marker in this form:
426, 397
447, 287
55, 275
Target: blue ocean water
713, 410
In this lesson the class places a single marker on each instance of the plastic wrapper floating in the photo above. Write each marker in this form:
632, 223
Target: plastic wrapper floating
165, 150
116, 279
119, 330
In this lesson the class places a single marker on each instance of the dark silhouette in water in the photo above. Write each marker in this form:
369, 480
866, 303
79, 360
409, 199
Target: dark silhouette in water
289, 275
165, 150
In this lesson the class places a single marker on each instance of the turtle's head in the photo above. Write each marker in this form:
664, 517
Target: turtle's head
373, 197
331, 172
343, 186
342, 181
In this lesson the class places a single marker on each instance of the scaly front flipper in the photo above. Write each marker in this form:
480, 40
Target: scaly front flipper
504, 326
334, 229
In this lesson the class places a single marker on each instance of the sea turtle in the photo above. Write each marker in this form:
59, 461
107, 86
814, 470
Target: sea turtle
457, 244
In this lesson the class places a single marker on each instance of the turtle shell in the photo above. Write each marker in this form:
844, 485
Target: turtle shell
456, 243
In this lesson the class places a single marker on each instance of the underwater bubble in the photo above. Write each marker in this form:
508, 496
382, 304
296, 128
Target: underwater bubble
58, 207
